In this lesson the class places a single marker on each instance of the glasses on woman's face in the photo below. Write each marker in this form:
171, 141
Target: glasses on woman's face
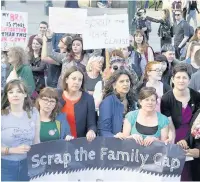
61, 40
158, 70
177, 14
48, 101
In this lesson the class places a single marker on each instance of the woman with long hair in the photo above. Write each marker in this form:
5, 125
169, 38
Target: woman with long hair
165, 29
37, 66
141, 46
78, 105
54, 58
152, 78
53, 125
20, 127
118, 99
146, 125
20, 69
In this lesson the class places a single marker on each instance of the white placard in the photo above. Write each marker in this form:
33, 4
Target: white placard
14, 29
67, 20
107, 31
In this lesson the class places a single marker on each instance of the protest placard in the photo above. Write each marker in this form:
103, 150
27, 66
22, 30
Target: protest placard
14, 29
105, 159
67, 20
107, 31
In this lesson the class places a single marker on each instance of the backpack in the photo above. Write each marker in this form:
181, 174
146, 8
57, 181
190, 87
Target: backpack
191, 29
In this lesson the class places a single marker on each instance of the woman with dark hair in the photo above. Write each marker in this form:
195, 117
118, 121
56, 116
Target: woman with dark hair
53, 125
78, 105
53, 58
165, 68
118, 99
19, 68
152, 78
76, 57
146, 125
165, 29
179, 105
37, 66
20, 125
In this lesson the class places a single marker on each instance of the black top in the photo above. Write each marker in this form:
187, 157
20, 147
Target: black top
146, 130
192, 6
90, 82
171, 107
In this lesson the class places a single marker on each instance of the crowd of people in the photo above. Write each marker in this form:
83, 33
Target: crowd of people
55, 90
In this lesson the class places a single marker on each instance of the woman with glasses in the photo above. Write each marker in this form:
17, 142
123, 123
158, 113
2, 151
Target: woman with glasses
54, 125
152, 78
93, 74
118, 99
78, 105
146, 125
179, 105
20, 126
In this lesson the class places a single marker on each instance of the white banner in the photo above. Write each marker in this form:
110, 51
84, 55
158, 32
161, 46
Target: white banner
67, 20
107, 31
14, 29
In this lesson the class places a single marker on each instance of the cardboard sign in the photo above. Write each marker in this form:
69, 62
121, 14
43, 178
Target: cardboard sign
67, 20
107, 31
14, 29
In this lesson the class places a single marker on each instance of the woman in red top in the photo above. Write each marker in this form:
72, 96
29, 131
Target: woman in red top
78, 105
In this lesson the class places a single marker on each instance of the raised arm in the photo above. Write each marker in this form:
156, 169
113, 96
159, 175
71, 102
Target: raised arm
154, 20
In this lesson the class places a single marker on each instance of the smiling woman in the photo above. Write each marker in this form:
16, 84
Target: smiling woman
19, 129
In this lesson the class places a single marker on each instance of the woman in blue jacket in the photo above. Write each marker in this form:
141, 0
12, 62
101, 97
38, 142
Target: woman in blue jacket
53, 125
118, 99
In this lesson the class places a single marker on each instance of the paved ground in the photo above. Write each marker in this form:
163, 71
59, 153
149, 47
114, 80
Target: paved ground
36, 14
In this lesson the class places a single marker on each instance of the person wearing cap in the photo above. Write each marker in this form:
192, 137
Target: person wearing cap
93, 74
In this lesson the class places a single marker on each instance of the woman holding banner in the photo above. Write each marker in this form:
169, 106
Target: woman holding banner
20, 125
54, 125
78, 105
118, 99
146, 125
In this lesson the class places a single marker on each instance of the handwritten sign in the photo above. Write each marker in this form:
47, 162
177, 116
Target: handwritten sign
67, 20
14, 29
107, 31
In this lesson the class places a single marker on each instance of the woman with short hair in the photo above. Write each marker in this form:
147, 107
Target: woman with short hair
146, 125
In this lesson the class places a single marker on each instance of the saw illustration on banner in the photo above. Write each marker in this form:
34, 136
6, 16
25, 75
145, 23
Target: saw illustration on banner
104, 159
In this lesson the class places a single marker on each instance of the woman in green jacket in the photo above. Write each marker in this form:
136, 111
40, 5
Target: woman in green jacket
20, 69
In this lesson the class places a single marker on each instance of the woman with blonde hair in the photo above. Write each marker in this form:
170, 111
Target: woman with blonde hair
141, 46
54, 125
20, 127
19, 68
93, 74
